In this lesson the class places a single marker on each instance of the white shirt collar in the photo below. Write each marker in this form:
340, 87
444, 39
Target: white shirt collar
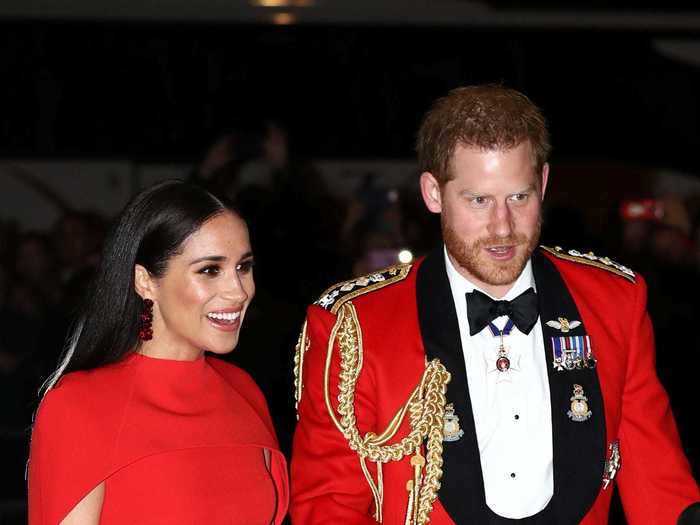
460, 286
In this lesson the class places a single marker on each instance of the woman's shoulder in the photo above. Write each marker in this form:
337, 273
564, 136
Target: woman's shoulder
84, 394
240, 380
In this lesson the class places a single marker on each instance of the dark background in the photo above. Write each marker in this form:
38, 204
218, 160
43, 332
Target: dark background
621, 110
145, 90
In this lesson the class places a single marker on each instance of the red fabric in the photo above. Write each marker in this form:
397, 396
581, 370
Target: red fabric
175, 442
655, 482
328, 486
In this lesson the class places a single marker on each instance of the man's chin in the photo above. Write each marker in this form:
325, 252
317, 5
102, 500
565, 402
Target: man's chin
495, 273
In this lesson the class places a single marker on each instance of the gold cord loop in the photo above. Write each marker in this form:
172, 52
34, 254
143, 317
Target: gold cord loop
425, 408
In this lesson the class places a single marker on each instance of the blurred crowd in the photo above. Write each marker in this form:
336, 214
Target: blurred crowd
305, 238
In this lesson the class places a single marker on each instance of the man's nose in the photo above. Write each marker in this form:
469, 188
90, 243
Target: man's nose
501, 224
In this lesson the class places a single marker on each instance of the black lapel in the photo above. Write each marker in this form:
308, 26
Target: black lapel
579, 447
462, 486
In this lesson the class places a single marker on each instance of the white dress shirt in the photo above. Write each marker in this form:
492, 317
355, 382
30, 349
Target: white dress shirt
511, 409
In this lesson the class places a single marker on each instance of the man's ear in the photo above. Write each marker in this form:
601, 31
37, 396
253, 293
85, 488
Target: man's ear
545, 177
430, 190
143, 282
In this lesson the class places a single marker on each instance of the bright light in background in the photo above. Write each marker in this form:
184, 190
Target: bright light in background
405, 256
283, 19
282, 3
270, 3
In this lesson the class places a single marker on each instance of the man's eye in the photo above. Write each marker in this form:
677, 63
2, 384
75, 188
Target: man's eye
210, 270
479, 201
245, 266
520, 197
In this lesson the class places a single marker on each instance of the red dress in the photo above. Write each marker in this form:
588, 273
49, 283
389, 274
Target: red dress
176, 442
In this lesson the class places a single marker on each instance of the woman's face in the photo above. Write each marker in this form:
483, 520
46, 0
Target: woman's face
201, 300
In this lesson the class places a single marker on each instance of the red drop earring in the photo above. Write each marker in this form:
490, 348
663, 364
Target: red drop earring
146, 332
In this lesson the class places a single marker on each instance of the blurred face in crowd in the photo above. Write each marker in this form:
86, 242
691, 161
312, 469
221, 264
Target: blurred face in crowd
33, 260
70, 235
201, 300
490, 212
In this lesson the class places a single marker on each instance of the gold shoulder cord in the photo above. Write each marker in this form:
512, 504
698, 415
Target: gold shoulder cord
332, 299
426, 409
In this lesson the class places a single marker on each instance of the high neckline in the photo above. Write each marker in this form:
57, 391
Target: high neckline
162, 362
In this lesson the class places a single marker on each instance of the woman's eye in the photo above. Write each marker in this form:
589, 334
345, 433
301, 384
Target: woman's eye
210, 270
245, 266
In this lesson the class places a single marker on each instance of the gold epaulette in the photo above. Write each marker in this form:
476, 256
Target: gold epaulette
592, 259
335, 296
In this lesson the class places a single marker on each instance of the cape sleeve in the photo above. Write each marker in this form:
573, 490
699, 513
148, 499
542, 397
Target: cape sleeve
246, 387
68, 456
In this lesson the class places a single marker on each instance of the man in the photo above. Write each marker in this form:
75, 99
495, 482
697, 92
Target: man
493, 380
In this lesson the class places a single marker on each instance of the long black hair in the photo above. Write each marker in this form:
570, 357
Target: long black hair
149, 231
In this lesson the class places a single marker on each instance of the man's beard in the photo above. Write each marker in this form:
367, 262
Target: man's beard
471, 257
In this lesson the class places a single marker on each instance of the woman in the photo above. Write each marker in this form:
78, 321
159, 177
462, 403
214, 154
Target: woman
137, 424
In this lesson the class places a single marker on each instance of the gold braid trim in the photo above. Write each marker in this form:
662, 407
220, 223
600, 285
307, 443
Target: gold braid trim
334, 297
426, 409
300, 349
591, 259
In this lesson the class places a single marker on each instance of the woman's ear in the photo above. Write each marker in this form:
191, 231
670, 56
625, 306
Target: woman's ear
143, 282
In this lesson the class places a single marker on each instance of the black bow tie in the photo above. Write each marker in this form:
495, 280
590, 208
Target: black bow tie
522, 310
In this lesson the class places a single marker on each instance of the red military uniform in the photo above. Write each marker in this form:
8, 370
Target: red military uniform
378, 389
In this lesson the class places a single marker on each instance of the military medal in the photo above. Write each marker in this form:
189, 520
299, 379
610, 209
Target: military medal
612, 464
450, 428
502, 361
572, 352
579, 406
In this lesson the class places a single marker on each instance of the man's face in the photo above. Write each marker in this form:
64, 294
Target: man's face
490, 213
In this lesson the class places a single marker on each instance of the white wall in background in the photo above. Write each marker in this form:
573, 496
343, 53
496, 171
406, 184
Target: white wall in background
85, 185
676, 183
106, 186
147, 174
343, 176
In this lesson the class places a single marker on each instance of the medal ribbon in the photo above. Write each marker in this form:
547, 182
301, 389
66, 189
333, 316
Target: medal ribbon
507, 329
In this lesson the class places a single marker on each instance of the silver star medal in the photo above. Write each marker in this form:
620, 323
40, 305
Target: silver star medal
494, 364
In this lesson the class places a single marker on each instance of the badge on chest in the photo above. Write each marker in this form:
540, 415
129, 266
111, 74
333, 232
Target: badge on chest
570, 352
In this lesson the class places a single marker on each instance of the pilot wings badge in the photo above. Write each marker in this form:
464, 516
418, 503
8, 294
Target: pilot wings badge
563, 324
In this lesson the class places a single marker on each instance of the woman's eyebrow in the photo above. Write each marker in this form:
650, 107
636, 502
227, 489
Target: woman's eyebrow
210, 258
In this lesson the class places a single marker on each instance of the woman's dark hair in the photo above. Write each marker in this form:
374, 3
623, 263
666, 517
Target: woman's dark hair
150, 231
